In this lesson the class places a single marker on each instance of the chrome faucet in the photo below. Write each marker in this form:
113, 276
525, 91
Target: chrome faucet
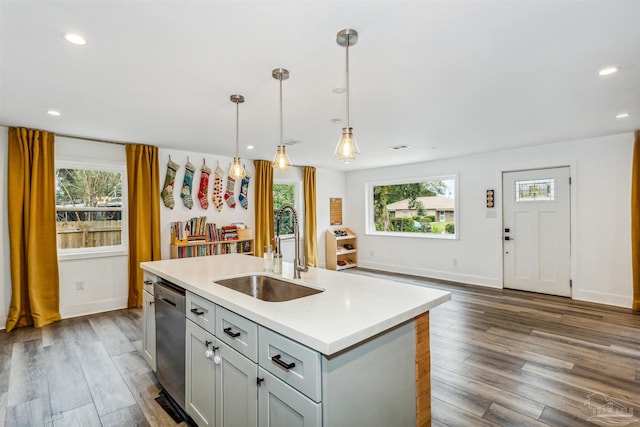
299, 262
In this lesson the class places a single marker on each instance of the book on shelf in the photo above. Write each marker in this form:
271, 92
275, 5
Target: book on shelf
197, 230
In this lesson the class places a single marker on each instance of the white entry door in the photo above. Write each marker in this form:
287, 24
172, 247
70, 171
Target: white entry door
536, 230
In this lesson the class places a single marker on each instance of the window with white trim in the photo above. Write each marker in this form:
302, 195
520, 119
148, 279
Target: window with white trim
420, 207
90, 208
286, 193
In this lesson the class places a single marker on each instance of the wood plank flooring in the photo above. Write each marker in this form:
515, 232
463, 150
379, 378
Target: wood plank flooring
85, 371
498, 358
511, 358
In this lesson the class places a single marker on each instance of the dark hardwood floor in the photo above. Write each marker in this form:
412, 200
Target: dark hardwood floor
504, 358
511, 358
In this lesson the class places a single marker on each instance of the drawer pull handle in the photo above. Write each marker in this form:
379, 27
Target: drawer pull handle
197, 312
148, 282
231, 334
276, 359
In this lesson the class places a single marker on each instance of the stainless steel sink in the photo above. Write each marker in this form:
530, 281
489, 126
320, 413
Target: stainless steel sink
267, 288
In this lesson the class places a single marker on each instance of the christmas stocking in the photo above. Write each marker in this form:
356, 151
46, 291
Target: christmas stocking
228, 196
217, 188
186, 185
167, 188
244, 188
205, 171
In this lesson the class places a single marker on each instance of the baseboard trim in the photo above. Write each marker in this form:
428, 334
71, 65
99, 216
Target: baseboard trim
93, 307
602, 298
469, 279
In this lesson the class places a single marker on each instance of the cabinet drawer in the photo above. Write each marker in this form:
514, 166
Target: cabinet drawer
147, 281
201, 312
239, 333
293, 363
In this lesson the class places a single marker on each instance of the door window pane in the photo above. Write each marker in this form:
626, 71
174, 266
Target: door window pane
535, 190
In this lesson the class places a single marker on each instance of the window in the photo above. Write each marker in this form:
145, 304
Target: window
535, 190
286, 193
424, 207
89, 208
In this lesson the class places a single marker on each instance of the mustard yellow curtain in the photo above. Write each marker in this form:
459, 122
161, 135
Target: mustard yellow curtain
144, 214
31, 195
263, 190
635, 222
310, 229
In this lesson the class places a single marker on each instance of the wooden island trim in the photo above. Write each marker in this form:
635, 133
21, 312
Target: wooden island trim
423, 372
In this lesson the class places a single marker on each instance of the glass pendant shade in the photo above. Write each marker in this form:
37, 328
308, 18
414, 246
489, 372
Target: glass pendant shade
347, 149
236, 171
281, 161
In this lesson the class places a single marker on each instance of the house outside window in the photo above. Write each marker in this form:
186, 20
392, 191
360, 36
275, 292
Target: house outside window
90, 209
423, 207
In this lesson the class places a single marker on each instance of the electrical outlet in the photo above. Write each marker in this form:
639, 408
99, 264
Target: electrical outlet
455, 261
371, 253
80, 285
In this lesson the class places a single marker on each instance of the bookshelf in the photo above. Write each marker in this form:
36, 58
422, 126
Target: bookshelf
196, 237
341, 250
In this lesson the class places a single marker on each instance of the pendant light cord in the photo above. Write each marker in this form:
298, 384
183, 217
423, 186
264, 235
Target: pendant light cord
347, 61
237, 128
281, 132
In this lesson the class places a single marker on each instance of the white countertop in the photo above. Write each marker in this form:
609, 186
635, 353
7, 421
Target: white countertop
351, 309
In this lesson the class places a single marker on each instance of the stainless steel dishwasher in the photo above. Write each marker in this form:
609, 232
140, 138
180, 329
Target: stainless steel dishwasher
170, 339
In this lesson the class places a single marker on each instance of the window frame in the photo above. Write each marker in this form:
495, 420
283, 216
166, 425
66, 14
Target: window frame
297, 203
102, 251
369, 209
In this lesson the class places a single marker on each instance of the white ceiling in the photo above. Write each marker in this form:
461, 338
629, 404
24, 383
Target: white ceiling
448, 78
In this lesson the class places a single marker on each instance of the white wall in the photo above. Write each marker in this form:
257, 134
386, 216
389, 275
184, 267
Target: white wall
329, 184
601, 242
5, 294
105, 278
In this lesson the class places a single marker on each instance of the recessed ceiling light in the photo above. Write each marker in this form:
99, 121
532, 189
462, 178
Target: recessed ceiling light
400, 147
76, 39
53, 113
607, 71
336, 120
290, 142
250, 147
622, 116
338, 90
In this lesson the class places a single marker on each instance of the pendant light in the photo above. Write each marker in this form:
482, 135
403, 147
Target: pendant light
236, 171
347, 149
281, 161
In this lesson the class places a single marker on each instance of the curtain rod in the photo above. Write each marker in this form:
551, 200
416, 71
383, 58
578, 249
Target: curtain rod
86, 138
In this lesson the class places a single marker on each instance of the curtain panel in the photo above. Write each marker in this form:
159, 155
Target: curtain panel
143, 184
263, 191
35, 287
635, 222
310, 229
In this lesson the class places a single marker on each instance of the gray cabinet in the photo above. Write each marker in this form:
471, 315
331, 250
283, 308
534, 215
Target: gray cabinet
149, 323
236, 388
282, 405
200, 374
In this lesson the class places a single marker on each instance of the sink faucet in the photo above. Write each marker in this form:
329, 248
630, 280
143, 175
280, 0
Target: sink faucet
299, 261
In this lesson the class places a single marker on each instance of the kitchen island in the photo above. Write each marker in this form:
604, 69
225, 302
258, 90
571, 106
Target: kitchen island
371, 338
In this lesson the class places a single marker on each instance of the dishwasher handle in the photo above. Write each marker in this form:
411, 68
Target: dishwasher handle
169, 302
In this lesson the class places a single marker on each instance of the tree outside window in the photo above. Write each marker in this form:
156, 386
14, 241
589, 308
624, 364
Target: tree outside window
284, 194
424, 207
88, 208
